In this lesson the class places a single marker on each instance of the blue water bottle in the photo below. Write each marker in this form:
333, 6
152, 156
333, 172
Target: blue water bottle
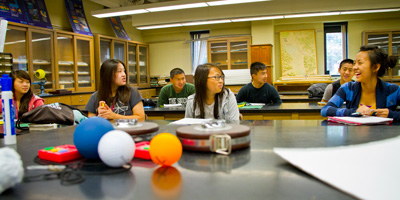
8, 110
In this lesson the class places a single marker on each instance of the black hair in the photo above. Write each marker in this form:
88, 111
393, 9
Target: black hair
255, 67
175, 71
346, 61
200, 84
24, 102
378, 56
107, 76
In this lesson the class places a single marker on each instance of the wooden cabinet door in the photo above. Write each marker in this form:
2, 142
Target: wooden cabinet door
262, 53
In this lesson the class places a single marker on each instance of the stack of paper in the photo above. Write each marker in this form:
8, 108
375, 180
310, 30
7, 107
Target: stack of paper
190, 121
237, 77
364, 120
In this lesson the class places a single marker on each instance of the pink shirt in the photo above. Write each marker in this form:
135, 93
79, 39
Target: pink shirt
33, 103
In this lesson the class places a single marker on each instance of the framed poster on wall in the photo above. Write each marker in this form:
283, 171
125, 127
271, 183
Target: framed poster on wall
298, 52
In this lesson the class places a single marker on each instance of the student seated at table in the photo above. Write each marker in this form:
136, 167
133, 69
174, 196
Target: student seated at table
212, 99
24, 99
346, 74
369, 95
114, 99
258, 91
178, 91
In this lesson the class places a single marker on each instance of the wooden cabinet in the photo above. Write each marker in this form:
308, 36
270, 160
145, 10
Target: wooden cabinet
80, 99
74, 100
263, 53
133, 54
32, 49
58, 99
389, 41
66, 58
75, 62
147, 93
230, 53
234, 88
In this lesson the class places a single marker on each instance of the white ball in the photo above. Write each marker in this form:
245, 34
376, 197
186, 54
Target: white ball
116, 148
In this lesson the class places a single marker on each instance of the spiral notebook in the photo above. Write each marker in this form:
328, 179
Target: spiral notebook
364, 120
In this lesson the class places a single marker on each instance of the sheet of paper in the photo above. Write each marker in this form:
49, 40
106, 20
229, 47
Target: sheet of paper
190, 121
366, 171
172, 105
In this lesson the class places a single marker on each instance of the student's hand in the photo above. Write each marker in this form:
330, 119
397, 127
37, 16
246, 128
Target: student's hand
364, 110
382, 112
104, 111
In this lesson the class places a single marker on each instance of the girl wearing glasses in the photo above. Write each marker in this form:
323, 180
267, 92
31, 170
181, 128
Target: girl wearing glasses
115, 99
369, 95
212, 99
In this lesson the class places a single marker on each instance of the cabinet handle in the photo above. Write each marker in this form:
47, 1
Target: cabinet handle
81, 100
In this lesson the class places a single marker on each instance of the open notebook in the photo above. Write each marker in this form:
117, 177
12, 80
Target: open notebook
364, 120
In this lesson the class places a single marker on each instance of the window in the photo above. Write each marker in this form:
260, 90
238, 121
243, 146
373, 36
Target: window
335, 40
199, 48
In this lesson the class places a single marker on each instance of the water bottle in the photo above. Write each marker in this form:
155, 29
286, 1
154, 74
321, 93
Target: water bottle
8, 110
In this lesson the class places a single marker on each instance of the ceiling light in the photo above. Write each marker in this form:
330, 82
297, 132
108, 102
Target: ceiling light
158, 26
369, 11
312, 14
227, 2
206, 22
177, 7
120, 13
256, 18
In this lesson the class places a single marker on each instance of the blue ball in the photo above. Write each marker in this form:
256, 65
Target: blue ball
88, 134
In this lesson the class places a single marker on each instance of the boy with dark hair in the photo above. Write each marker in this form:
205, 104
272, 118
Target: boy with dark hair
346, 74
258, 91
178, 91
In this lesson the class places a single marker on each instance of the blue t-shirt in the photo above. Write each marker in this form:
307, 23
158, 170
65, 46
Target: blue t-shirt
118, 107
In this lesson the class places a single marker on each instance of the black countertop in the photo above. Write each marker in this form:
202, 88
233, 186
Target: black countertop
252, 173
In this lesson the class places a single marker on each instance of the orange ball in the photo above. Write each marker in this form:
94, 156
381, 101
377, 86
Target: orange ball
165, 149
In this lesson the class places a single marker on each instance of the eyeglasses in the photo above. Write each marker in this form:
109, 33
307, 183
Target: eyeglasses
217, 78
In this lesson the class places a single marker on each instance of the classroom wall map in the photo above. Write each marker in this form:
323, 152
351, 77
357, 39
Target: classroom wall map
298, 53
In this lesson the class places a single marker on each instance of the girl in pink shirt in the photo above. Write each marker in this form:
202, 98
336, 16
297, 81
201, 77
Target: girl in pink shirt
24, 99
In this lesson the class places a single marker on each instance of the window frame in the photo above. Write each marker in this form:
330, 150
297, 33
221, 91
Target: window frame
336, 27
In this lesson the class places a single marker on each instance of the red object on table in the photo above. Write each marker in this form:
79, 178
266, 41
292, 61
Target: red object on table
60, 154
142, 150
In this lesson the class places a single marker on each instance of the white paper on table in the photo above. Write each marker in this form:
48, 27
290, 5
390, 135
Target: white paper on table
366, 171
256, 104
172, 105
190, 121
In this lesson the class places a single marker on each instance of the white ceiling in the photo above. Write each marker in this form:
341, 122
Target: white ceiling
266, 8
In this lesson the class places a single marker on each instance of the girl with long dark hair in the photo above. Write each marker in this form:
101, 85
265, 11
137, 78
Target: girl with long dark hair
212, 99
369, 95
114, 99
24, 99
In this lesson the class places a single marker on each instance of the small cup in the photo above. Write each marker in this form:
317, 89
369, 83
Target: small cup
61, 86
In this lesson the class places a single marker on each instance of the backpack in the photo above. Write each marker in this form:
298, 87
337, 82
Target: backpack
317, 90
58, 113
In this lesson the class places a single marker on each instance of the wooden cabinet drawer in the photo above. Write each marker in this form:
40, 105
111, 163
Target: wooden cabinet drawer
234, 88
80, 99
60, 99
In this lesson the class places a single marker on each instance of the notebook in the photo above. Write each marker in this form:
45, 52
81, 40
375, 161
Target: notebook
364, 120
